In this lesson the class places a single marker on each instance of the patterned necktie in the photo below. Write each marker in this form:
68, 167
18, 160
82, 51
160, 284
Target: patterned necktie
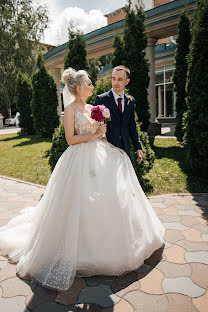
119, 104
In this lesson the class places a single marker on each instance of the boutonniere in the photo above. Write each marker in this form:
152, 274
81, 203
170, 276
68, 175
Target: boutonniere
130, 98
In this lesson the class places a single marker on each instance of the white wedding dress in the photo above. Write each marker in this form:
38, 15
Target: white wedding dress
93, 219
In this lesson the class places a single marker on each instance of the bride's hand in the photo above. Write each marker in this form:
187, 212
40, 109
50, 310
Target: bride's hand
120, 150
101, 130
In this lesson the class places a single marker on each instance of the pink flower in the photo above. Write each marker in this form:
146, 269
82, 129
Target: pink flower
100, 112
106, 113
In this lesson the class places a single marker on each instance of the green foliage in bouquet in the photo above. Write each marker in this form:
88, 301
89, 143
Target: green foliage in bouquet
59, 145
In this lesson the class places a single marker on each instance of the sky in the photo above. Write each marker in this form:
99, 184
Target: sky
87, 14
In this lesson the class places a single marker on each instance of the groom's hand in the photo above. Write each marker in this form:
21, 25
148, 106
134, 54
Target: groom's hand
140, 156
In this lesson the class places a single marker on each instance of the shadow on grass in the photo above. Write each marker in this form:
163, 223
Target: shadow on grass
195, 184
30, 139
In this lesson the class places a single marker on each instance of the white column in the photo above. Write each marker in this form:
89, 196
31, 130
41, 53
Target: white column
56, 75
150, 51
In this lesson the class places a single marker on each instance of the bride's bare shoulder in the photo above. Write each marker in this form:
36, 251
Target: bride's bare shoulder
70, 109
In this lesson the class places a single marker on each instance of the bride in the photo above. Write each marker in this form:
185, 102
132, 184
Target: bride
94, 218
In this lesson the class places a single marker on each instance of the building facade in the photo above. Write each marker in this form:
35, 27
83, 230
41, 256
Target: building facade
161, 24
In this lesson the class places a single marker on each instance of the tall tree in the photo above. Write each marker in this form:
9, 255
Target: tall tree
44, 101
23, 100
118, 51
21, 28
196, 120
180, 73
93, 69
134, 55
76, 52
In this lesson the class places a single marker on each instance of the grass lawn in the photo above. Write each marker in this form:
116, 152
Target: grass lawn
23, 157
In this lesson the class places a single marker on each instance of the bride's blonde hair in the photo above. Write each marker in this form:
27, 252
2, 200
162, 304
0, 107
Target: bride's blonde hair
73, 78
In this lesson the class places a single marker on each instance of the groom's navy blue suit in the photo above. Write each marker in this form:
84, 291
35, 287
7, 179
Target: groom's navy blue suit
122, 126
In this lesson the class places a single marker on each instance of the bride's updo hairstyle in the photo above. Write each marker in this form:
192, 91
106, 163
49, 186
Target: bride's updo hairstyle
73, 79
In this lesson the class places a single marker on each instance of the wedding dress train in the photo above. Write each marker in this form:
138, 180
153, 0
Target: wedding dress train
93, 219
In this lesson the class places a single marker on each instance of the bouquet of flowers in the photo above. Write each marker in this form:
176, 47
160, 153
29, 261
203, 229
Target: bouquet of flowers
100, 113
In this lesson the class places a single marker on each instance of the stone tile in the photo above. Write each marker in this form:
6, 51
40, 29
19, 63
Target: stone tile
193, 246
201, 227
7, 272
184, 200
158, 211
49, 307
192, 235
199, 274
180, 303
121, 282
201, 302
168, 245
200, 202
182, 285
100, 295
173, 236
159, 205
3, 222
170, 211
16, 304
124, 291
98, 279
70, 296
151, 283
143, 269
40, 295
190, 212
169, 201
15, 287
4, 215
170, 269
189, 220
165, 218
202, 220
175, 254
122, 306
155, 199
3, 264
197, 256
91, 307
156, 257
205, 237
147, 303
175, 226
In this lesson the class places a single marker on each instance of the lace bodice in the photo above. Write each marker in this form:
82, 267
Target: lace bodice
84, 124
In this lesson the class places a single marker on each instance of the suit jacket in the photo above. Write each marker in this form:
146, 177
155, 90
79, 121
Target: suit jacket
122, 126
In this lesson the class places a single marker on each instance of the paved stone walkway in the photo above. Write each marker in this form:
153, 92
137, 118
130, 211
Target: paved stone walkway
173, 279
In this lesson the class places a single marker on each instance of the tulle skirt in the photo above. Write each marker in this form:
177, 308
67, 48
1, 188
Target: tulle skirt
93, 219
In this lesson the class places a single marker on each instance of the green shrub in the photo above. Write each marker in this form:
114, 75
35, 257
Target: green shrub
196, 118
59, 145
148, 159
23, 101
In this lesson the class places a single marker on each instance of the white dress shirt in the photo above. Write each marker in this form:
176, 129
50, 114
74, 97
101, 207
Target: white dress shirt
116, 96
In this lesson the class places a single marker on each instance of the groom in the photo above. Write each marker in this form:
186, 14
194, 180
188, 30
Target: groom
122, 126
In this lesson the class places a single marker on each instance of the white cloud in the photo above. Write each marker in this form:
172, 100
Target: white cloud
57, 33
